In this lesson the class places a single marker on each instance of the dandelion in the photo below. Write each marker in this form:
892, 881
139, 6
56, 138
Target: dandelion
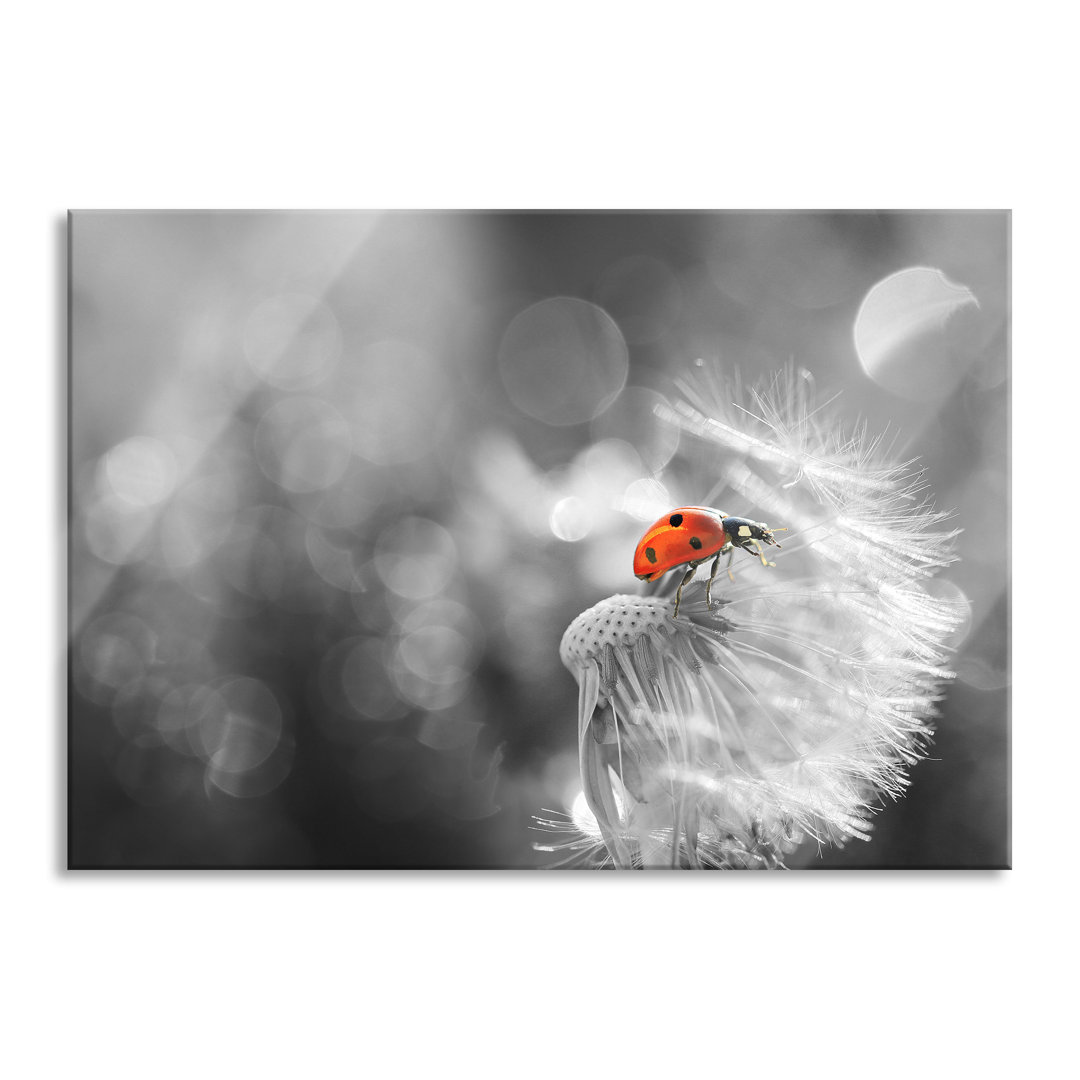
785, 710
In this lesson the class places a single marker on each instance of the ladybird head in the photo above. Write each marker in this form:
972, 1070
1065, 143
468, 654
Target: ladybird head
740, 530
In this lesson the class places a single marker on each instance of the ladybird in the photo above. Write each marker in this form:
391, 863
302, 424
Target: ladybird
692, 535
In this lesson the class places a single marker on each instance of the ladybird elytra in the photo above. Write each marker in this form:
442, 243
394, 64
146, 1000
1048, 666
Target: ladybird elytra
687, 534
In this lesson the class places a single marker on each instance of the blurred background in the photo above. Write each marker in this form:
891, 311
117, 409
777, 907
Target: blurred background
340, 481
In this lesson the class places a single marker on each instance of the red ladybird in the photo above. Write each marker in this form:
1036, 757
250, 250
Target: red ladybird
692, 535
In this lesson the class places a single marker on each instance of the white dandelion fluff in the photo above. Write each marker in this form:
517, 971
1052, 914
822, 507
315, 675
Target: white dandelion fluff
786, 710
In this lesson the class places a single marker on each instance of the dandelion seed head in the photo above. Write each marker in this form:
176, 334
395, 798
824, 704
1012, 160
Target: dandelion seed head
618, 621
789, 709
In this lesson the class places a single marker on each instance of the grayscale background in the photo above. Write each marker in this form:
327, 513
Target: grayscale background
339, 481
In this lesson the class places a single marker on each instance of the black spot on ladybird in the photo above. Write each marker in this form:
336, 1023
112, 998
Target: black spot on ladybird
695, 543
675, 520
650, 554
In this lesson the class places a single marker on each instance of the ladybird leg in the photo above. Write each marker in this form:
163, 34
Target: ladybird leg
751, 552
678, 592
730, 559
761, 553
712, 577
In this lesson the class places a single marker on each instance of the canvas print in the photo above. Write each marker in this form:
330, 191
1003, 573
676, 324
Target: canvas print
536, 540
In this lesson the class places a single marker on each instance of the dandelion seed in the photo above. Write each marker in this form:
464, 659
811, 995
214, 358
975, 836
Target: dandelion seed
787, 710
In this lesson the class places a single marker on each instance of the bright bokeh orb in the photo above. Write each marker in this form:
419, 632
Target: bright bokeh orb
140, 471
916, 333
245, 732
571, 519
563, 361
